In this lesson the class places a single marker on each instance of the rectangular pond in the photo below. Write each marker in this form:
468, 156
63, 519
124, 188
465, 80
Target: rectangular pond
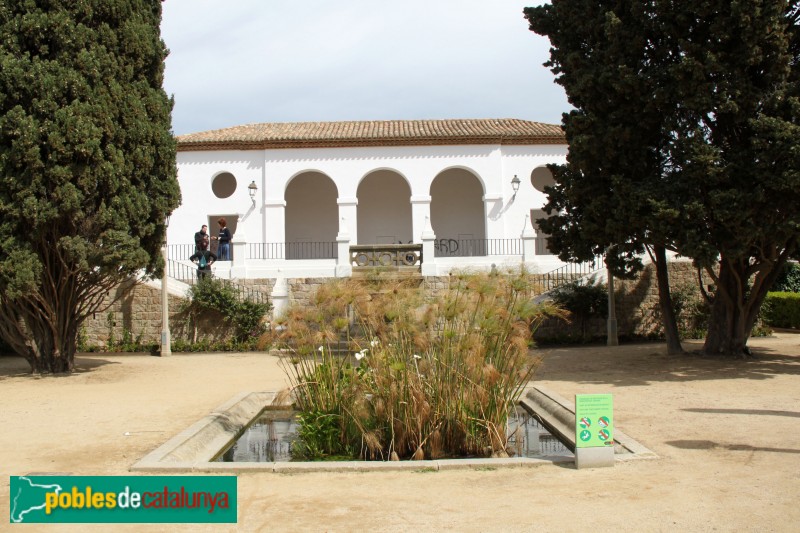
269, 439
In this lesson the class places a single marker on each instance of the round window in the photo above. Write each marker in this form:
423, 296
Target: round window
542, 177
224, 185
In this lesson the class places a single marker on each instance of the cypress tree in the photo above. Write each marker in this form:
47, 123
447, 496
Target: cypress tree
87, 163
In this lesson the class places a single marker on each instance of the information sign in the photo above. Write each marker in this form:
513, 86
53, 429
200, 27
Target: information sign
594, 420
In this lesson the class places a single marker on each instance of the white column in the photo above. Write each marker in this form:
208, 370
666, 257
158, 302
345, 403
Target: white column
274, 220
343, 267
528, 241
420, 213
428, 238
239, 245
348, 210
494, 209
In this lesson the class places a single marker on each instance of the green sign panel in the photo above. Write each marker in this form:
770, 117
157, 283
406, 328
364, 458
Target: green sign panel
594, 420
114, 499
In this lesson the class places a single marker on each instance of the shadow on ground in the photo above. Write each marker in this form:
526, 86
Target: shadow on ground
708, 445
648, 363
12, 366
757, 412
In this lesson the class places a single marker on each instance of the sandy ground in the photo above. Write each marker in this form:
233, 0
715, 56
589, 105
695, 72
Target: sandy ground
727, 433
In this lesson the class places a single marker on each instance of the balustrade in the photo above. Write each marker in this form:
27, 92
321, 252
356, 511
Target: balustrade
386, 255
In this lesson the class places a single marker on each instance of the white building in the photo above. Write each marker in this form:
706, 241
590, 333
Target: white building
300, 197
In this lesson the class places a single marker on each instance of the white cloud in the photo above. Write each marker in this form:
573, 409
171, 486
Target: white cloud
242, 61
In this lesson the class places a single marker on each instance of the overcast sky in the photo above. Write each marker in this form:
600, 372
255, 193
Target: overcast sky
237, 62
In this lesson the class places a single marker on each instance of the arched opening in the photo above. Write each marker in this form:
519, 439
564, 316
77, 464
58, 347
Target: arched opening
458, 214
384, 209
312, 217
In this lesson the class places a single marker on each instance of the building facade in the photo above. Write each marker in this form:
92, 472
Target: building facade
317, 199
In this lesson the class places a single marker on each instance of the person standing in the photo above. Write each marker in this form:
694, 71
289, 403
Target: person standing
204, 258
224, 238
198, 237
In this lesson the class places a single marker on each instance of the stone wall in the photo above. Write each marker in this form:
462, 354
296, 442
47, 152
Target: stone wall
137, 310
637, 307
136, 314
133, 309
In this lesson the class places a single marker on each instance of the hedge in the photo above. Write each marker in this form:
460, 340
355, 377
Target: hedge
782, 309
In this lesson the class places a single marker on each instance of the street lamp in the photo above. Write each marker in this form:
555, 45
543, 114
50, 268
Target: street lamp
611, 326
166, 344
252, 189
515, 185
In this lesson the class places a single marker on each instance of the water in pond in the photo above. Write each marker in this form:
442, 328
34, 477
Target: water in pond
269, 439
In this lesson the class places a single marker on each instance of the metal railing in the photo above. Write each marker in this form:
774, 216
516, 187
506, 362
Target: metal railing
566, 274
188, 275
476, 247
292, 250
182, 252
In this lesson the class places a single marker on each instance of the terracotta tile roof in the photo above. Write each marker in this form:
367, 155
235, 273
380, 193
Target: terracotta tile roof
373, 133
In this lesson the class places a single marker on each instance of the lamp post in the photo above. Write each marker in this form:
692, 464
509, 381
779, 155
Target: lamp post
166, 343
612, 339
252, 189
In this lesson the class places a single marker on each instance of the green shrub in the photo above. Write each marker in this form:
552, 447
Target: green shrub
245, 316
387, 374
788, 280
231, 345
584, 300
691, 311
782, 309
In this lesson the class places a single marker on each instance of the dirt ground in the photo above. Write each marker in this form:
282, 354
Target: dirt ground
727, 433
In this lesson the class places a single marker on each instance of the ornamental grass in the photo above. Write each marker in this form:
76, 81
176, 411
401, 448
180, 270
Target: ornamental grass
378, 372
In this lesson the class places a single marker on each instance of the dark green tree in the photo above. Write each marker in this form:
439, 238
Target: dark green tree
602, 54
87, 163
684, 138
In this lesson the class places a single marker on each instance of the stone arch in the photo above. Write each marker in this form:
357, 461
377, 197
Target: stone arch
458, 212
311, 216
384, 208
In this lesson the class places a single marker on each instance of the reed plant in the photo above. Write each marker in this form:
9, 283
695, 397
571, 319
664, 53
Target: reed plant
381, 372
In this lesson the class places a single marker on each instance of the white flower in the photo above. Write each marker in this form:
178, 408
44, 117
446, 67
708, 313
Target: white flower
374, 342
361, 355
417, 356
320, 349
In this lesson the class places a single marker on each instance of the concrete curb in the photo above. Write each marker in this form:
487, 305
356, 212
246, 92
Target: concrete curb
194, 449
558, 415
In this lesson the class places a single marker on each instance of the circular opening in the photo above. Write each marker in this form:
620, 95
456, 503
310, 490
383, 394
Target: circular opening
541, 177
224, 185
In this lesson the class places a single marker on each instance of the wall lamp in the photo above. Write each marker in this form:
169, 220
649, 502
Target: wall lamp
252, 189
515, 185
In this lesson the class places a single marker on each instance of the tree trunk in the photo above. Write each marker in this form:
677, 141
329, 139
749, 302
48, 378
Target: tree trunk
53, 350
48, 346
674, 346
735, 308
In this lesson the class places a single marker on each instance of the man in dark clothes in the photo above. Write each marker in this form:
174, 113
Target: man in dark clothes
199, 236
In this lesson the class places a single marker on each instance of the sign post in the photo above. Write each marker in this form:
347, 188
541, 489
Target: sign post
594, 430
